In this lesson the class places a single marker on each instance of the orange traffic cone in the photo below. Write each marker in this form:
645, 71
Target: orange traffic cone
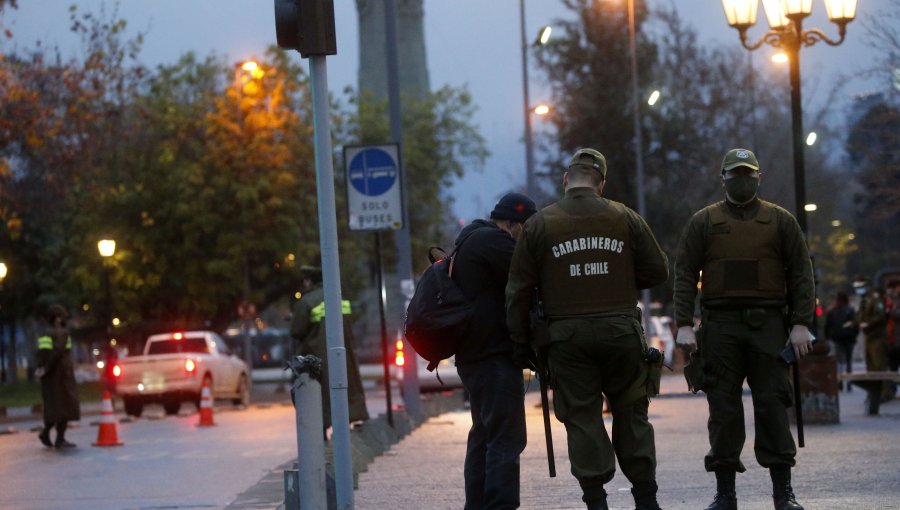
106, 433
206, 412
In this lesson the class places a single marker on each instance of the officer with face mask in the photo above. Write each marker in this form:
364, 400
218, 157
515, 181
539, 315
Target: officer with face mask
756, 277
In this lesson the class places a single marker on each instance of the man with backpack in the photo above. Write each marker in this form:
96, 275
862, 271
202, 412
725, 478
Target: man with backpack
588, 256
485, 357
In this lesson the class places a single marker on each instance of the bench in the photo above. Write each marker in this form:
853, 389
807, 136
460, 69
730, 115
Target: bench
872, 383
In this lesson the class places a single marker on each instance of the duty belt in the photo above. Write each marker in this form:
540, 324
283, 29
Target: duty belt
746, 315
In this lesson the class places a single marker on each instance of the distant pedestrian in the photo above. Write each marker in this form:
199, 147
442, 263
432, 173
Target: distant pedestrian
308, 328
892, 302
873, 321
56, 371
488, 363
752, 262
841, 330
587, 257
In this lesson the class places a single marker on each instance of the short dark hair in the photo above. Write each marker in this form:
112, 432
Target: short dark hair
582, 173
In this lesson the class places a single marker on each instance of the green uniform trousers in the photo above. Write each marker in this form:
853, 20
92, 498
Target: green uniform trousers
733, 351
877, 359
590, 358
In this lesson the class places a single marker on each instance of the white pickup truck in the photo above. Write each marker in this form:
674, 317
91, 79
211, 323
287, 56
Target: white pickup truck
174, 368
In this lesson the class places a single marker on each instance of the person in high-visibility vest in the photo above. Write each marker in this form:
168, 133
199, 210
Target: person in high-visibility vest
56, 372
308, 328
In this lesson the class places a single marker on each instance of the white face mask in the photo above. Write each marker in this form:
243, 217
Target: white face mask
860, 291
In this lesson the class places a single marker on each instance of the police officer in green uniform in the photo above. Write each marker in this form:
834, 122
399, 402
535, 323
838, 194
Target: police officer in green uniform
873, 321
587, 257
56, 371
308, 328
755, 266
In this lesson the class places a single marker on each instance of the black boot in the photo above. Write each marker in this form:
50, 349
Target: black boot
61, 436
645, 495
782, 493
726, 498
595, 498
44, 436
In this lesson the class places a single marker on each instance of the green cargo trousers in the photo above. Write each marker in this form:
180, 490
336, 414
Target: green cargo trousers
590, 358
732, 351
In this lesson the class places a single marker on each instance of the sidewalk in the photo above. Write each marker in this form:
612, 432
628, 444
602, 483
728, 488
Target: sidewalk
848, 466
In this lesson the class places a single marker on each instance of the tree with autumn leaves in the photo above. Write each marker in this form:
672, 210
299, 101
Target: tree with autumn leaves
203, 175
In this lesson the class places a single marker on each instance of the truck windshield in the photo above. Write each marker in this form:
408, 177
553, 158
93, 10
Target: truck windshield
189, 344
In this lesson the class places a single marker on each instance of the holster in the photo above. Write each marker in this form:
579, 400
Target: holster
693, 372
654, 360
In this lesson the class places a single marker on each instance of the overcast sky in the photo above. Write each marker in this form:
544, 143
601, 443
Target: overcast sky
468, 42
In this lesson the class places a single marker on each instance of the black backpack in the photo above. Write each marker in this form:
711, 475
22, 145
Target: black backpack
439, 313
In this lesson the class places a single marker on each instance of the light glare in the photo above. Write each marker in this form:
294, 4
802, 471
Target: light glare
545, 34
811, 138
654, 97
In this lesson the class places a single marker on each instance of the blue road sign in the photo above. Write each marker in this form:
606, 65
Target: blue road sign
374, 196
373, 172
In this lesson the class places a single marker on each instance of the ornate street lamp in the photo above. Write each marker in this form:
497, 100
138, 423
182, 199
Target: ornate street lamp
786, 32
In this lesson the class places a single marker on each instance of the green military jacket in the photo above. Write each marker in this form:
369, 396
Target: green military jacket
758, 250
587, 255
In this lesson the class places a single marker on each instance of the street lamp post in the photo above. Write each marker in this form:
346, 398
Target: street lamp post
530, 186
638, 141
3, 272
785, 18
786, 32
107, 248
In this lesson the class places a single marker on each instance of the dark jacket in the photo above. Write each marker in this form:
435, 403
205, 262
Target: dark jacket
308, 328
834, 324
481, 269
58, 388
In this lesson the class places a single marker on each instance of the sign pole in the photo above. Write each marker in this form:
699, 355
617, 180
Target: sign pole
384, 340
331, 278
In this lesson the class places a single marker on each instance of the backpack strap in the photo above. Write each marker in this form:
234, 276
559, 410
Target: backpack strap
458, 246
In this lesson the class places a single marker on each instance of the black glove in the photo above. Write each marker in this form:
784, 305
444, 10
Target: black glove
524, 357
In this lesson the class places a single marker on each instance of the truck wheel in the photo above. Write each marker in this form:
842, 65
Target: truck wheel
172, 407
133, 406
243, 391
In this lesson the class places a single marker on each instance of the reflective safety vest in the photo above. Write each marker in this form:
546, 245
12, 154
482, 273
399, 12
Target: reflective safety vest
46, 342
318, 313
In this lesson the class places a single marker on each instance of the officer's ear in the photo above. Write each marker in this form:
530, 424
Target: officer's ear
565, 179
600, 187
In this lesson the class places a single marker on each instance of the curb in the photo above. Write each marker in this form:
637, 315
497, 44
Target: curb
372, 439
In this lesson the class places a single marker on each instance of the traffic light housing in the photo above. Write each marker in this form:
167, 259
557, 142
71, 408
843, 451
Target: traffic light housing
306, 26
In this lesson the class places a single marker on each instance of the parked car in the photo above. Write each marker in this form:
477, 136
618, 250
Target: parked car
174, 368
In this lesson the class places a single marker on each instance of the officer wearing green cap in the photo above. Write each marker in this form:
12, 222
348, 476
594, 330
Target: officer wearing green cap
587, 257
752, 263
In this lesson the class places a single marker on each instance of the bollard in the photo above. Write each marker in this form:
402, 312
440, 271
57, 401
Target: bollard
307, 396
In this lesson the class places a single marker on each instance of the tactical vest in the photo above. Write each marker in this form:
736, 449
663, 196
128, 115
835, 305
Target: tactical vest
587, 262
743, 257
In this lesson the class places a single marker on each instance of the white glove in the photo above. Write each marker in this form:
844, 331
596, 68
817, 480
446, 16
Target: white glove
685, 338
801, 339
